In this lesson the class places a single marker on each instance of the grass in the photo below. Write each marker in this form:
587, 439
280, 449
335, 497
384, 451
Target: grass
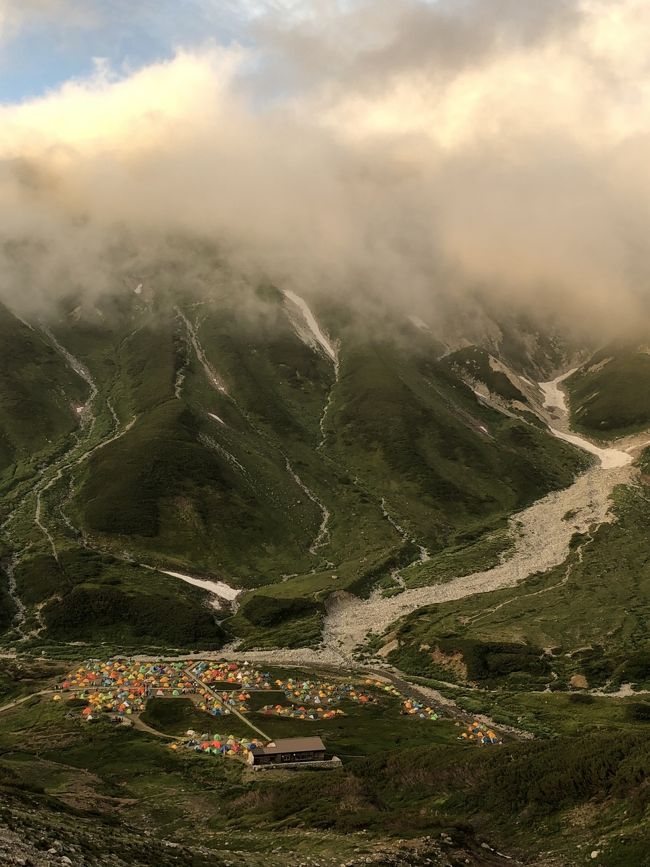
524, 794
412, 430
476, 363
196, 493
350, 576
610, 395
174, 716
281, 388
594, 621
36, 395
552, 713
95, 597
366, 730
19, 677
409, 431
473, 556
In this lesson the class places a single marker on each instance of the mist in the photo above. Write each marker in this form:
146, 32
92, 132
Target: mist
405, 153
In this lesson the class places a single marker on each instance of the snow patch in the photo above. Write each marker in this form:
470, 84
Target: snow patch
609, 458
555, 398
313, 326
217, 588
419, 323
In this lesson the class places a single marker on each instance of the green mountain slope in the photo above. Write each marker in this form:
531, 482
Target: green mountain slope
610, 395
478, 365
447, 464
38, 395
586, 618
223, 439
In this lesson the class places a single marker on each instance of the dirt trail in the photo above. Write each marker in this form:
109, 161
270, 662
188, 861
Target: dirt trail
142, 726
18, 701
215, 695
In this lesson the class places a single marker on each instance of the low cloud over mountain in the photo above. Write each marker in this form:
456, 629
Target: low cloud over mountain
403, 150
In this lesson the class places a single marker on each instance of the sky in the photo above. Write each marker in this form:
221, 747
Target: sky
406, 150
44, 43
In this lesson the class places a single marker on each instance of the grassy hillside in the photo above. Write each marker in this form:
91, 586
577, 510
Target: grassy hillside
86, 596
477, 364
163, 489
526, 794
222, 442
414, 440
447, 465
38, 396
610, 395
587, 617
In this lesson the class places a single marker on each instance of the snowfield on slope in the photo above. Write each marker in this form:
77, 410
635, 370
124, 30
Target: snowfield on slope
555, 398
217, 588
312, 324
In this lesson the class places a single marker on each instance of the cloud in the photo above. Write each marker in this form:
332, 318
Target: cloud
15, 15
403, 151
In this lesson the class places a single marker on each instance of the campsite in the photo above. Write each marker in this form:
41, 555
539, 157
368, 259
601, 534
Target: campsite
398, 771
221, 702
159, 774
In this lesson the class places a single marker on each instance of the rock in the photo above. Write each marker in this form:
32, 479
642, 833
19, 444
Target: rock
595, 854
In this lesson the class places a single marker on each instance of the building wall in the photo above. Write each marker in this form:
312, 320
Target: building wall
281, 758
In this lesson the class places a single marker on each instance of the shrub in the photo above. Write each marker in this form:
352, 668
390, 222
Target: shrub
581, 698
637, 711
97, 612
266, 611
